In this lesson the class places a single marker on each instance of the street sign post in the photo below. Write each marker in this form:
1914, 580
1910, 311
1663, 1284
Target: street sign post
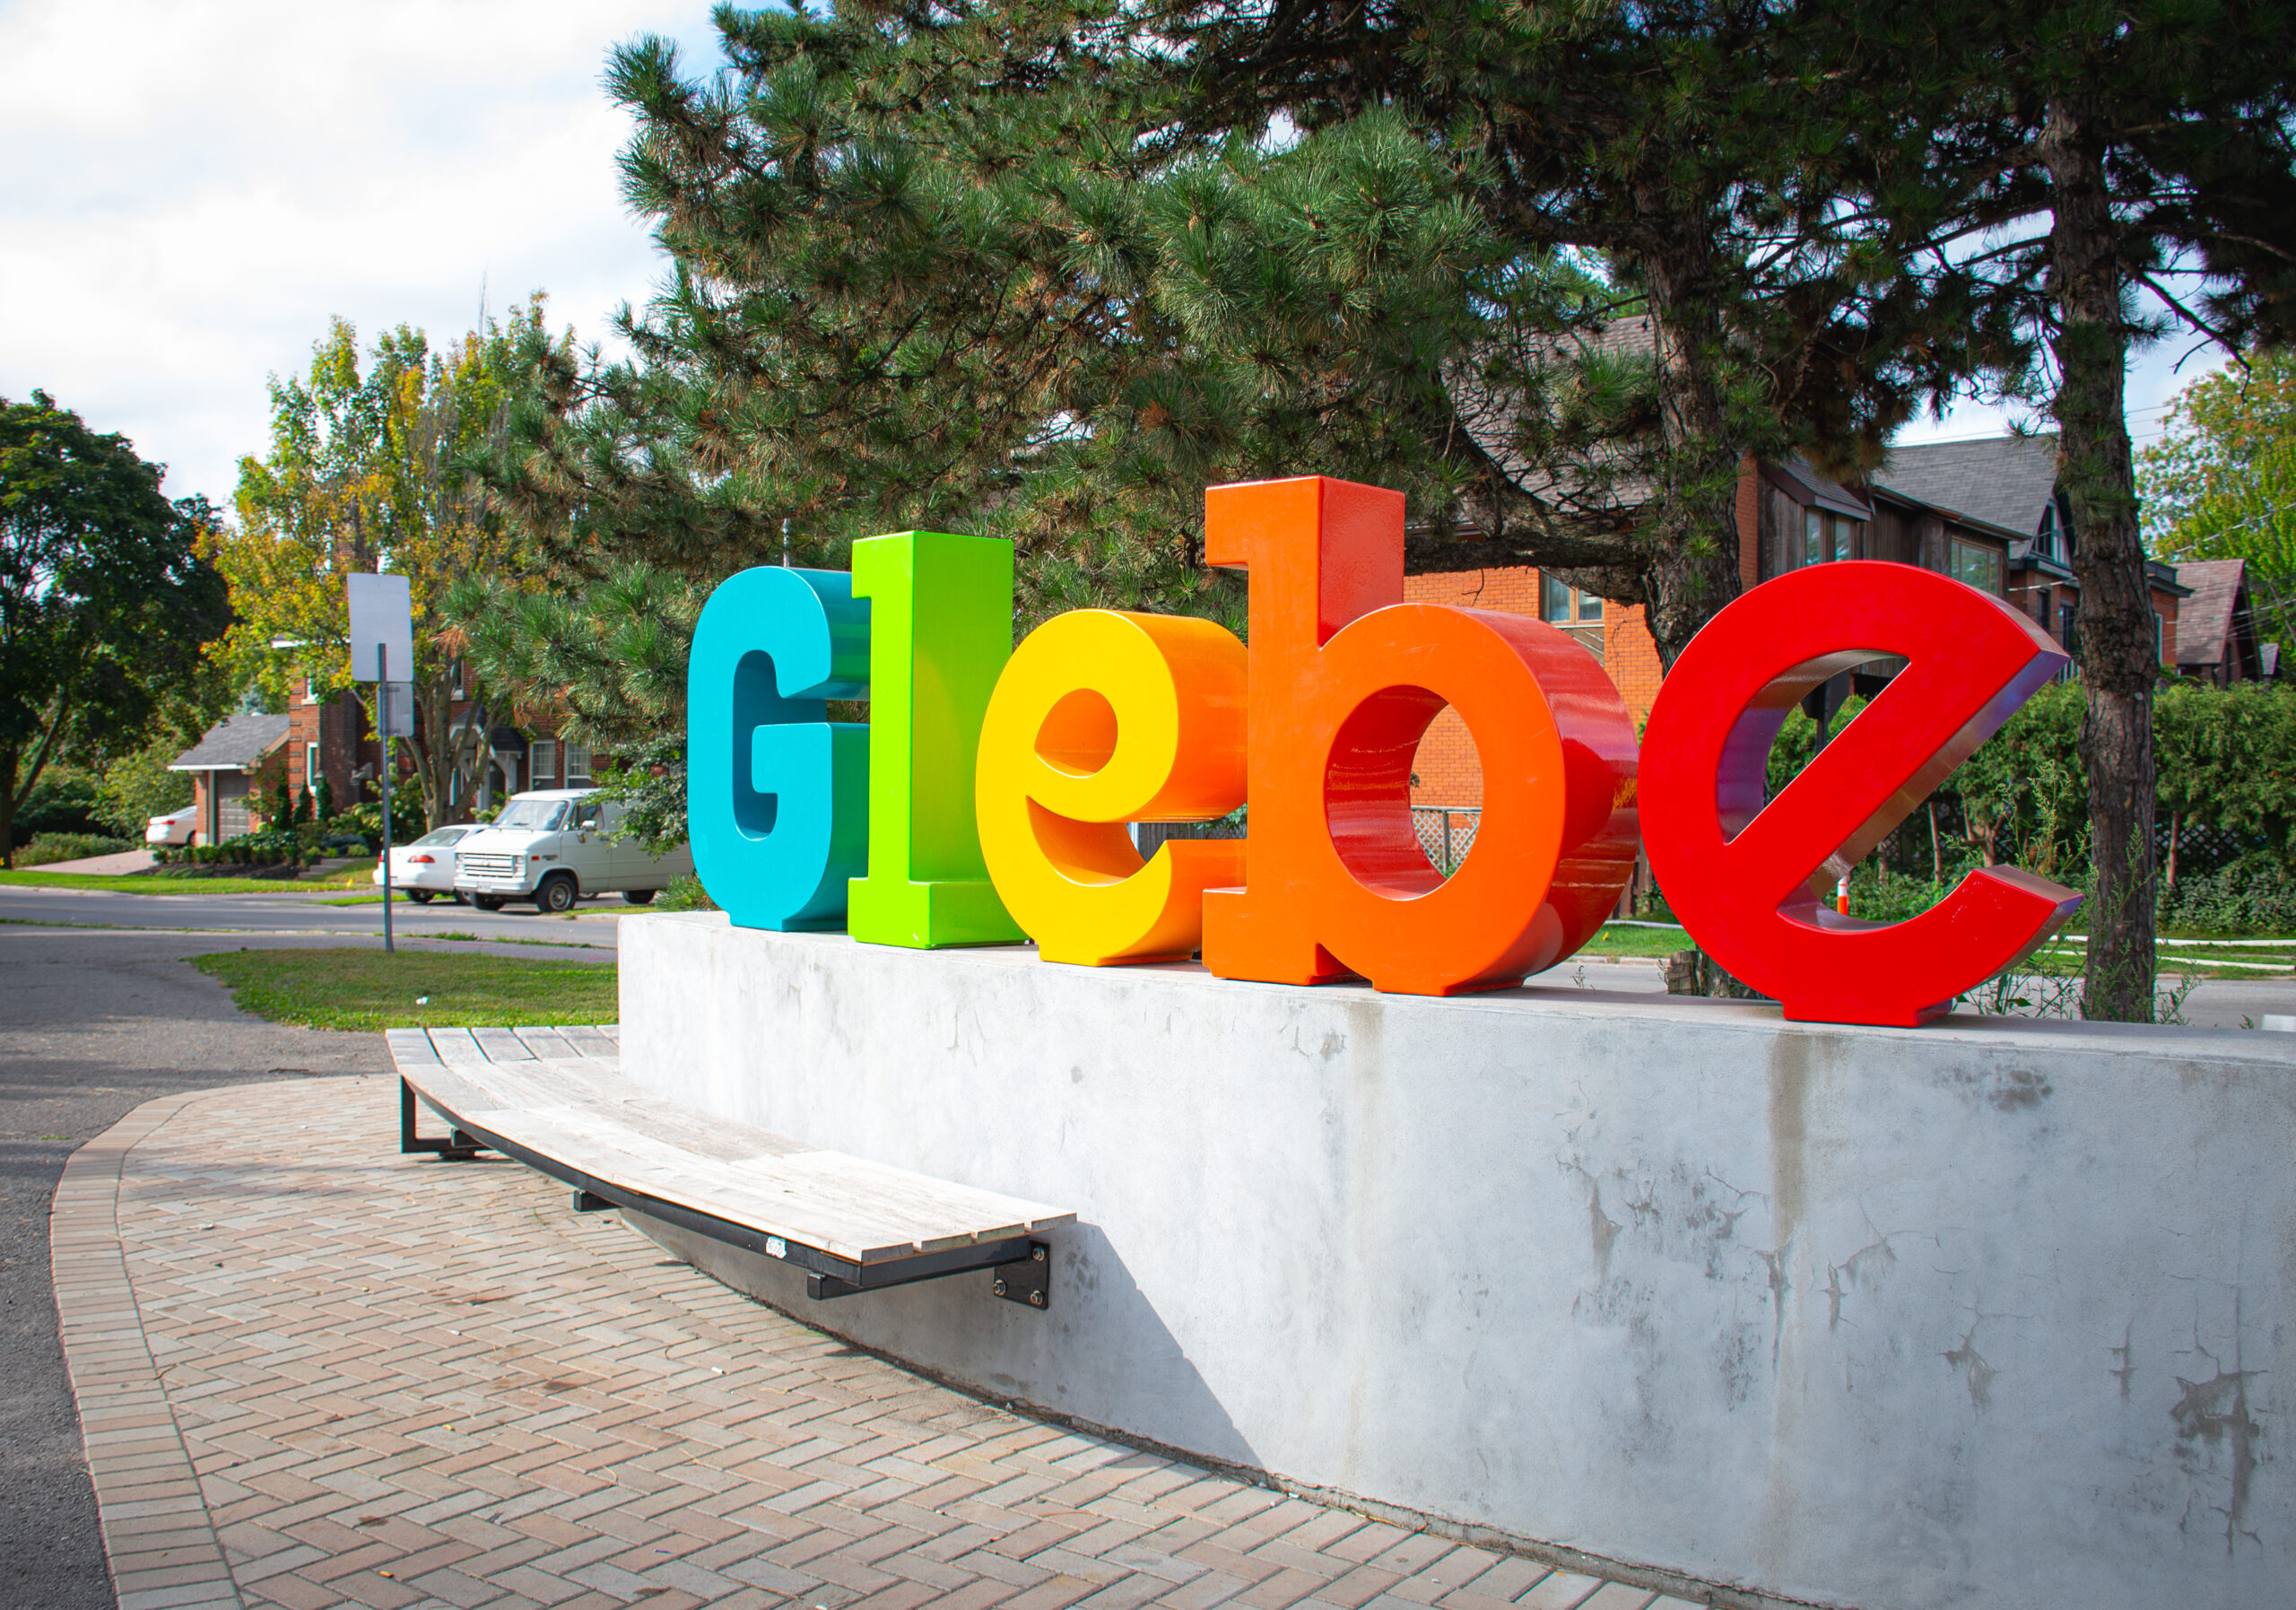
382, 641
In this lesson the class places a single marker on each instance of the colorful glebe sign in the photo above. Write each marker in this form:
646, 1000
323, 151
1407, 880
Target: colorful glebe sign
1344, 679
998, 782
1750, 879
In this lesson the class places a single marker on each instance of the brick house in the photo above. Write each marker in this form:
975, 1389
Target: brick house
233, 767
1989, 513
330, 736
2216, 639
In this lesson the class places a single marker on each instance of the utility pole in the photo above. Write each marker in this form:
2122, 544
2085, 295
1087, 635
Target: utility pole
383, 732
381, 613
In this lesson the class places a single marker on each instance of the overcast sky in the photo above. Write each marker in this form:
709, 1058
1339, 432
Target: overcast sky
192, 188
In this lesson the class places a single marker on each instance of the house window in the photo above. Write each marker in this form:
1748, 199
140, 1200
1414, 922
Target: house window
1976, 565
578, 764
2054, 540
311, 771
1563, 606
1827, 537
544, 761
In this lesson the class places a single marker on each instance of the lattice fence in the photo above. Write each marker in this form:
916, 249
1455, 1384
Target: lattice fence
1445, 834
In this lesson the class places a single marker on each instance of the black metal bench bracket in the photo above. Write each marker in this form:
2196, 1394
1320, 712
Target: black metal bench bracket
458, 1147
1026, 1282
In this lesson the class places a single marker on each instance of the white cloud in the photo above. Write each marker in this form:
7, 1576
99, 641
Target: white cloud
193, 188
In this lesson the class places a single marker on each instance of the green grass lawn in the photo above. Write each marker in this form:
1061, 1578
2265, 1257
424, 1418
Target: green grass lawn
1617, 939
414, 989
2209, 958
155, 882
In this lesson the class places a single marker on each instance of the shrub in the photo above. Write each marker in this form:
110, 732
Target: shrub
64, 801
265, 846
138, 787
2255, 893
49, 847
685, 894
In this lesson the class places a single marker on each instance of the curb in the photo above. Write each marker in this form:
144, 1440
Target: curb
159, 1545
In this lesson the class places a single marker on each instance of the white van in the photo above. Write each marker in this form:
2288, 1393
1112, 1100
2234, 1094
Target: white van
555, 845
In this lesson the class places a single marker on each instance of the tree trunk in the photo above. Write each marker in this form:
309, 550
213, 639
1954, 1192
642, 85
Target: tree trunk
9, 758
2094, 465
1693, 569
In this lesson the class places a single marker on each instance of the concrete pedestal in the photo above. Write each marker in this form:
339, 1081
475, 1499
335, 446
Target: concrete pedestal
1985, 1313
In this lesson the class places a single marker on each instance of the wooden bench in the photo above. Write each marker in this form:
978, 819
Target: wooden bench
555, 1099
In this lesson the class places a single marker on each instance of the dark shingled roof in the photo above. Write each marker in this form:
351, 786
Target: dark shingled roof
233, 743
2205, 620
2005, 481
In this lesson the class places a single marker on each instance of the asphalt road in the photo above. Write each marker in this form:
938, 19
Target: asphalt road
591, 923
91, 1025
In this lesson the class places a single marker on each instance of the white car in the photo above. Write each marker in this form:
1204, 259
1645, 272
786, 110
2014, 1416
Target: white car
426, 868
177, 827
555, 845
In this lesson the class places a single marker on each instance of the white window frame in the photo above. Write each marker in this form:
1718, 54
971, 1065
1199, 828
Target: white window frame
578, 764
542, 761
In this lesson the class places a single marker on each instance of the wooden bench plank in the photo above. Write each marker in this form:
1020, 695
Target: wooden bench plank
579, 1111
502, 1045
588, 1041
546, 1045
411, 1047
454, 1046
818, 1198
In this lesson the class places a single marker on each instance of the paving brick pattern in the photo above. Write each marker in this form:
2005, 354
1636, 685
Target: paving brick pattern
312, 1373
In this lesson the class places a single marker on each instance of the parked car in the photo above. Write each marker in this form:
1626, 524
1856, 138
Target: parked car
426, 868
177, 827
555, 845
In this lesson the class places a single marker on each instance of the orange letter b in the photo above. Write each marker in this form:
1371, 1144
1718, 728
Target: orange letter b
1344, 678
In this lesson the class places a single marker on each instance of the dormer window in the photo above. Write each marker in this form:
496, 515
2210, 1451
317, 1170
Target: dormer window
2054, 540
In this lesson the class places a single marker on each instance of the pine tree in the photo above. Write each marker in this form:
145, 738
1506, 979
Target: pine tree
2120, 149
1752, 178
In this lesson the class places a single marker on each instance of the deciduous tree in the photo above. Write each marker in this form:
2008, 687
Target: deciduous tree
105, 604
2221, 481
367, 471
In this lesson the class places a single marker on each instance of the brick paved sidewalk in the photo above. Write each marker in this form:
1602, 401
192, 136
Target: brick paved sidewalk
312, 1373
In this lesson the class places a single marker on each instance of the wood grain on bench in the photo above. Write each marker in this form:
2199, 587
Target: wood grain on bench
560, 1093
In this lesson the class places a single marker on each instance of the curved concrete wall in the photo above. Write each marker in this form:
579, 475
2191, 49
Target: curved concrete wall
1981, 1313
